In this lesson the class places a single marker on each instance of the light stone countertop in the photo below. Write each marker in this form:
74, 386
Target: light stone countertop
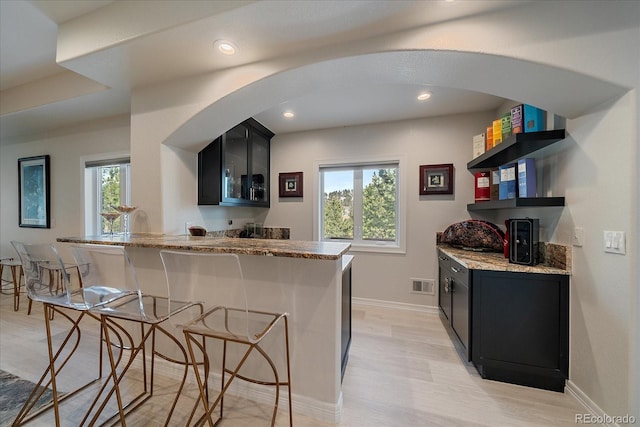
495, 261
263, 247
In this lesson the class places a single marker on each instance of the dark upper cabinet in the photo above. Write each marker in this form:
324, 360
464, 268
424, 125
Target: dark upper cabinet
234, 169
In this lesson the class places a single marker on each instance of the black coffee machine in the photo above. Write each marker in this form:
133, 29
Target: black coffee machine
524, 238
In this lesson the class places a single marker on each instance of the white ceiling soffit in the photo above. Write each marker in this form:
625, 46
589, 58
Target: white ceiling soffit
127, 43
550, 88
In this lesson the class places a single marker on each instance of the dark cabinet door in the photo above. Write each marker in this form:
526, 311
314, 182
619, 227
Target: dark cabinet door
346, 319
460, 311
209, 184
235, 163
521, 327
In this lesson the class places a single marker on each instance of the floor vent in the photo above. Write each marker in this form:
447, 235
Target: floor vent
423, 286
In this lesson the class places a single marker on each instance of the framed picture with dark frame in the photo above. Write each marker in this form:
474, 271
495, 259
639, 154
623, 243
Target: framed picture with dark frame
34, 192
291, 184
436, 179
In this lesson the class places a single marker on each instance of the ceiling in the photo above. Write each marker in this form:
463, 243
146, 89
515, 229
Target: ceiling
62, 90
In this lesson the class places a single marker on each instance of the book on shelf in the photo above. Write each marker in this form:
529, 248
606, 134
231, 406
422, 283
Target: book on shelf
533, 118
489, 138
495, 183
506, 126
508, 188
478, 145
497, 131
483, 186
554, 121
527, 118
516, 120
527, 178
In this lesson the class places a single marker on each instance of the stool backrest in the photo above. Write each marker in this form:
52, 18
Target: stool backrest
106, 272
46, 277
214, 279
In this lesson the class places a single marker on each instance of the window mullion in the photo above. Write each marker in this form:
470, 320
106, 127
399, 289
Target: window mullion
357, 205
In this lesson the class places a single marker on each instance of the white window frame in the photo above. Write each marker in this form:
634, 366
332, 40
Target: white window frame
91, 188
399, 246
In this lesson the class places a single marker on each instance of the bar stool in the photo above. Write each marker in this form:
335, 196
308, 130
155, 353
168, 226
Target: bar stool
67, 301
219, 277
110, 266
16, 279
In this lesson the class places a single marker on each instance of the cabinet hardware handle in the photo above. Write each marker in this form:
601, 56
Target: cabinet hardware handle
442, 258
455, 270
446, 285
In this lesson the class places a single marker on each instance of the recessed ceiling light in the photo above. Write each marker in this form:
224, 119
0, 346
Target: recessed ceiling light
288, 114
424, 96
225, 47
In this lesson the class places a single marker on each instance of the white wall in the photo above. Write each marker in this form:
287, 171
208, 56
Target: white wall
437, 140
66, 147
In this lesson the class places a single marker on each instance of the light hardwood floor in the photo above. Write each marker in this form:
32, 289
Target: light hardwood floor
403, 371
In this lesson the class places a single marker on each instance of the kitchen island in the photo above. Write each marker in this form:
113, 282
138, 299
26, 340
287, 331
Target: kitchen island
303, 278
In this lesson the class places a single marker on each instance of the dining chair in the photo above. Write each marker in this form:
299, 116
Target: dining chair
109, 265
73, 304
229, 318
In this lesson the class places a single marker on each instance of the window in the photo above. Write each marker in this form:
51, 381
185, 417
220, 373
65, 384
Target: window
107, 183
360, 203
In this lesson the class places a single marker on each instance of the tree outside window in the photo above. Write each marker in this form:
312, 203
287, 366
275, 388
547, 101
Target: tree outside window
360, 203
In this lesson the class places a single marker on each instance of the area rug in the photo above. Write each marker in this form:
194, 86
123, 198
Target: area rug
13, 393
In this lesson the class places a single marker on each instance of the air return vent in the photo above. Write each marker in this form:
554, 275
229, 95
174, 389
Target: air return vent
423, 286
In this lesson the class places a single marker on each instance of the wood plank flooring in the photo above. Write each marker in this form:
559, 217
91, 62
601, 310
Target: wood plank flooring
403, 371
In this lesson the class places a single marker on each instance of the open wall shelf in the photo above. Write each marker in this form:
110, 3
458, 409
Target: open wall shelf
515, 147
531, 202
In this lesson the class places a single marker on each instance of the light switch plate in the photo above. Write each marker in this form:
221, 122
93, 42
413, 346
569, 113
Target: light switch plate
615, 242
578, 236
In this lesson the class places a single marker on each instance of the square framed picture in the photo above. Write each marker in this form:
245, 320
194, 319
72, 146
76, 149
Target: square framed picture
436, 179
34, 192
290, 184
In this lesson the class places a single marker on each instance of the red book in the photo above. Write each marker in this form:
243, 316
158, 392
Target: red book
483, 186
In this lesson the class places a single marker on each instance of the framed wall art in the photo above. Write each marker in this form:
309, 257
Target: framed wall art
436, 179
291, 184
34, 192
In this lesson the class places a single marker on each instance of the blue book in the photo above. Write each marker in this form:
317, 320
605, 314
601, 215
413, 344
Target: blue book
508, 188
533, 118
527, 178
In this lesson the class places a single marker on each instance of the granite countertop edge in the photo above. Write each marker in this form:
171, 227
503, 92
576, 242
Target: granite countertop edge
494, 261
260, 247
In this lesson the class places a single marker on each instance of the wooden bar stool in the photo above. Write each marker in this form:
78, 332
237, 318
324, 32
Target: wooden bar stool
16, 279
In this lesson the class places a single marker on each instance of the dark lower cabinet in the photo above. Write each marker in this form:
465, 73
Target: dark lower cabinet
453, 299
346, 313
520, 330
513, 326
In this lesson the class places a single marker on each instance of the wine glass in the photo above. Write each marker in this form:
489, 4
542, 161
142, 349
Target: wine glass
110, 216
126, 211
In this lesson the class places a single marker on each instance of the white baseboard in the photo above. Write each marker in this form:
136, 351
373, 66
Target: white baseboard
303, 405
396, 305
590, 406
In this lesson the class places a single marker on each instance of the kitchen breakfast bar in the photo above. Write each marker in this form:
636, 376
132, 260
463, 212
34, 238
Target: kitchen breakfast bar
303, 278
